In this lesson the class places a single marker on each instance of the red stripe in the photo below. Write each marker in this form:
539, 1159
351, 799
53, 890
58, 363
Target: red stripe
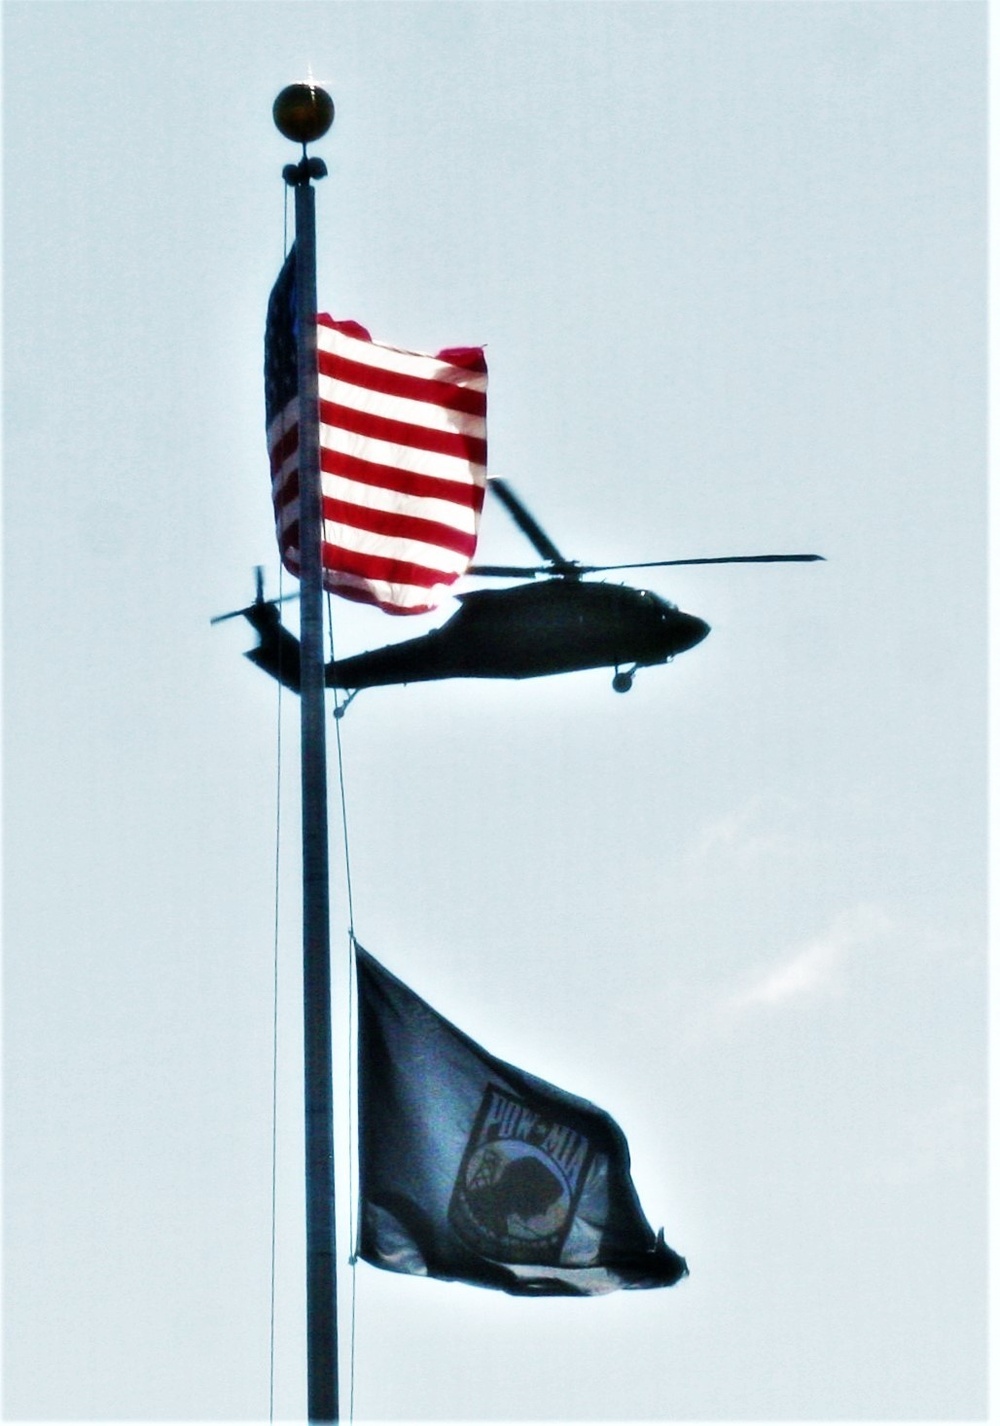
286, 493
283, 476
394, 526
335, 557
334, 565
402, 482
401, 433
283, 446
394, 383
393, 571
365, 596
471, 358
469, 497
346, 327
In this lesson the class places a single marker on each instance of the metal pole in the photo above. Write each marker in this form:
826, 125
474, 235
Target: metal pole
321, 1273
304, 113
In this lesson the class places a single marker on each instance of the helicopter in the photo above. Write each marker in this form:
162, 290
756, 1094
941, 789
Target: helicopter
561, 624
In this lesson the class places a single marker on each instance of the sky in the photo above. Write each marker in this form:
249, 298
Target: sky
729, 264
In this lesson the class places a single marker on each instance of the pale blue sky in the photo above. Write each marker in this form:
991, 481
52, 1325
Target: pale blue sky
729, 264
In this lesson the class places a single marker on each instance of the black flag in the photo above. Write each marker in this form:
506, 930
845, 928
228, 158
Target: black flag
475, 1171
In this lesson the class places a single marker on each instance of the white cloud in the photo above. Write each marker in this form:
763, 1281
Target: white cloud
765, 829
813, 970
743, 834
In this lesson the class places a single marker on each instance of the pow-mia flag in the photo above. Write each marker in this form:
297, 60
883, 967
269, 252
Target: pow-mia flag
475, 1171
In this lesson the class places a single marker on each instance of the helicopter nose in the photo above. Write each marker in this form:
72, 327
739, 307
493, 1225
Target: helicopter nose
692, 631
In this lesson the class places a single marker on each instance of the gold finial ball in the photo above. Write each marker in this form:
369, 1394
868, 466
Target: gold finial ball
303, 112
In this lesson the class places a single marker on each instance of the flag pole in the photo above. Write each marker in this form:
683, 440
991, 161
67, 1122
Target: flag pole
303, 113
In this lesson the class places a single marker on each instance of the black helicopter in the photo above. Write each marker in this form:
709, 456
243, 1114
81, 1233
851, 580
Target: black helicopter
559, 625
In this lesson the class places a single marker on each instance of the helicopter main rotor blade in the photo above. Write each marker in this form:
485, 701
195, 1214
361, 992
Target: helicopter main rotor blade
526, 523
717, 559
515, 571
509, 571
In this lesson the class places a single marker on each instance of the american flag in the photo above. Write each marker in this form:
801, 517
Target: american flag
402, 442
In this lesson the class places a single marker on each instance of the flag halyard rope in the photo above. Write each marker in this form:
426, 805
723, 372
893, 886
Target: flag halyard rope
274, 1045
352, 1029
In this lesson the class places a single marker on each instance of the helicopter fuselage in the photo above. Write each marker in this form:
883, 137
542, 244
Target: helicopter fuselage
558, 624
526, 631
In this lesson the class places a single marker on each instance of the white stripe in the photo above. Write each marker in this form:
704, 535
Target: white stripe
288, 552
400, 408
286, 419
443, 467
376, 497
283, 475
365, 542
422, 416
400, 597
286, 516
422, 364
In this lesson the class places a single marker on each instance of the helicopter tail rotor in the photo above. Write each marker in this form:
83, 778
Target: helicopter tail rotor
253, 611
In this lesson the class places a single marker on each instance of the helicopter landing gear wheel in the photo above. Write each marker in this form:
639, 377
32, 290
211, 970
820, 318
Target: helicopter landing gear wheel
622, 680
342, 708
